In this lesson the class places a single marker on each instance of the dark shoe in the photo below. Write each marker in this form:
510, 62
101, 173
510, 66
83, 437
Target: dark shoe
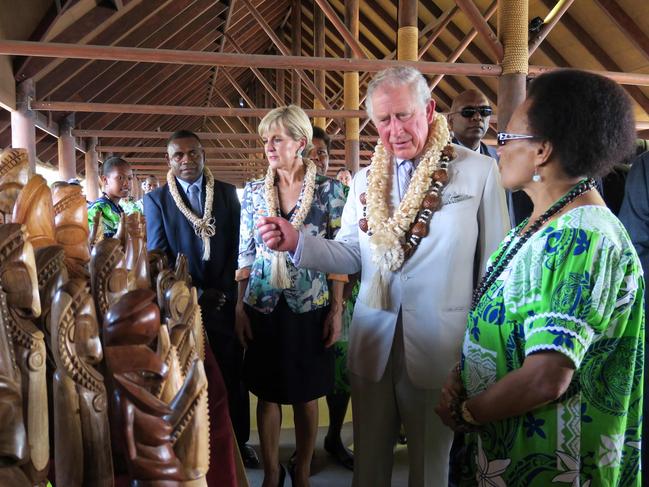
403, 439
282, 476
337, 450
249, 457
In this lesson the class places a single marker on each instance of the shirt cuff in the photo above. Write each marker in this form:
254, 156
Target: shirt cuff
297, 255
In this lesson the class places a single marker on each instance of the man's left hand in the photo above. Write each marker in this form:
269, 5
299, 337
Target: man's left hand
278, 233
332, 326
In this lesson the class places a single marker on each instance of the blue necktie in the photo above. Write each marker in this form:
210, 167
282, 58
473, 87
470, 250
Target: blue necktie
194, 199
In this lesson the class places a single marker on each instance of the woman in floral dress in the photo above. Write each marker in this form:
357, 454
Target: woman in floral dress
287, 317
549, 386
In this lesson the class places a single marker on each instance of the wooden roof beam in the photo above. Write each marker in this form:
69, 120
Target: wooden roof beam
350, 39
549, 22
626, 24
285, 52
463, 45
601, 56
480, 23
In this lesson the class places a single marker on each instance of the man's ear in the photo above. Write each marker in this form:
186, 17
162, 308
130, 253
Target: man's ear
430, 111
104, 180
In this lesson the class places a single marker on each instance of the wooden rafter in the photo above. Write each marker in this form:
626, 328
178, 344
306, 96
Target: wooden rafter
549, 22
482, 26
626, 24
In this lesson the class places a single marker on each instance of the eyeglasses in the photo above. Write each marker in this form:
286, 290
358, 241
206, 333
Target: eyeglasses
469, 112
504, 137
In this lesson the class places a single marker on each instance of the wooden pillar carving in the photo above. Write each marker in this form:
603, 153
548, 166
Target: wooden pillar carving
23, 130
318, 51
296, 48
92, 171
408, 33
512, 27
352, 144
67, 156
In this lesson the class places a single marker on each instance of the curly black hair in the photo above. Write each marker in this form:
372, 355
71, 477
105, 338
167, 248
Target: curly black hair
588, 118
319, 133
111, 163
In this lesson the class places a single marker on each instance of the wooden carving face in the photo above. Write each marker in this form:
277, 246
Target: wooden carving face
18, 279
14, 174
108, 274
86, 336
71, 220
34, 209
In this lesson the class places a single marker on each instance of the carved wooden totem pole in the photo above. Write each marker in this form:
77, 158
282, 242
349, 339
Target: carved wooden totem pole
108, 275
18, 280
14, 174
34, 209
71, 226
82, 432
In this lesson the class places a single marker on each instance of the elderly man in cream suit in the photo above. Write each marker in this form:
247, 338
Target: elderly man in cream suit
412, 308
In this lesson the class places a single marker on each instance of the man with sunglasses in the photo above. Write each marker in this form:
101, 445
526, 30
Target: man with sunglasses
469, 121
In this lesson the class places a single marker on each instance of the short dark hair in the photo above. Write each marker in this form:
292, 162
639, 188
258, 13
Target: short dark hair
111, 164
587, 117
182, 134
319, 133
341, 169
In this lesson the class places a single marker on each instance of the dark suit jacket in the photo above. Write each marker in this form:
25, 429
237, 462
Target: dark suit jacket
167, 229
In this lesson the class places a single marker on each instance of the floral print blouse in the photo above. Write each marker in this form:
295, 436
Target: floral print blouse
576, 288
309, 289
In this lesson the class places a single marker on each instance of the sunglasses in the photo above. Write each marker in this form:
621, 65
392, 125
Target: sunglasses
469, 112
504, 137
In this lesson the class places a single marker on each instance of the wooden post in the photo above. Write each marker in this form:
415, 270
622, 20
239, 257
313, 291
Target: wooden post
296, 36
352, 144
67, 156
512, 23
318, 51
92, 171
23, 129
408, 33
281, 85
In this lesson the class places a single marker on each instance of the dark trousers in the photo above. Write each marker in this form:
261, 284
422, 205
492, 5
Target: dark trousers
219, 325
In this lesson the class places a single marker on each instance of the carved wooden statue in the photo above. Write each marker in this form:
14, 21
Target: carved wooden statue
158, 262
35, 210
108, 275
137, 260
81, 432
71, 226
13, 438
18, 280
14, 174
140, 427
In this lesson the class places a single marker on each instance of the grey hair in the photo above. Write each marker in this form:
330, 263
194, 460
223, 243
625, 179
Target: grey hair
399, 76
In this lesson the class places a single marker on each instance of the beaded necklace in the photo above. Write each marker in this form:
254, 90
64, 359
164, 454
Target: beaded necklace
507, 253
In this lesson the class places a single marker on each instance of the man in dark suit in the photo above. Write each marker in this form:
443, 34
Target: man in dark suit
634, 214
469, 121
197, 216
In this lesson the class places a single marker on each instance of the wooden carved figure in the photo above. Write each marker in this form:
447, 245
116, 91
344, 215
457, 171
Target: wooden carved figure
18, 280
81, 430
158, 262
137, 260
14, 174
140, 427
35, 210
71, 226
108, 275
14, 449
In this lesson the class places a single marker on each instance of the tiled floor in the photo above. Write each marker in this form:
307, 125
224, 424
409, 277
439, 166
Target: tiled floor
326, 473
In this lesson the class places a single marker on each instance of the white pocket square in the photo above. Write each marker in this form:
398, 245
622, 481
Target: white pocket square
449, 199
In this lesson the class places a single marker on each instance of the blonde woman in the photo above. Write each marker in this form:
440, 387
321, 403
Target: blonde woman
286, 317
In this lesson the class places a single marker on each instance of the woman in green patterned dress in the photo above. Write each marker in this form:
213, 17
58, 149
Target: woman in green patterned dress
549, 386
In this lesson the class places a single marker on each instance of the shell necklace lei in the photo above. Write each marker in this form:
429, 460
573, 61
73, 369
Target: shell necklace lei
394, 238
279, 277
203, 226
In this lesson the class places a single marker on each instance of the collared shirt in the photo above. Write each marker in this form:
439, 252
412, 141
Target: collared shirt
403, 178
110, 214
198, 183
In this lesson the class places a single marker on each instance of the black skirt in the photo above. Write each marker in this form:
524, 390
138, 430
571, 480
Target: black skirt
286, 361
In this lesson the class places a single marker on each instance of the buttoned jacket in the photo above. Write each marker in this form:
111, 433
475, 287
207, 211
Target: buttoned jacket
433, 288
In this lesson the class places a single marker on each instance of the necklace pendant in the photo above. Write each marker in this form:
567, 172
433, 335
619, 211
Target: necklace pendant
362, 224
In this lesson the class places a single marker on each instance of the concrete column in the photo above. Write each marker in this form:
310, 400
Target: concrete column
67, 155
23, 130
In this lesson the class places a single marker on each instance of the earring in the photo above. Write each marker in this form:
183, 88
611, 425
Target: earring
537, 177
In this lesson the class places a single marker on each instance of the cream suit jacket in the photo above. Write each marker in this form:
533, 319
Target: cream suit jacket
433, 288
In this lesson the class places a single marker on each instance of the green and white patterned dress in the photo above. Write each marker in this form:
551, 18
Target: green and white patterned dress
575, 287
